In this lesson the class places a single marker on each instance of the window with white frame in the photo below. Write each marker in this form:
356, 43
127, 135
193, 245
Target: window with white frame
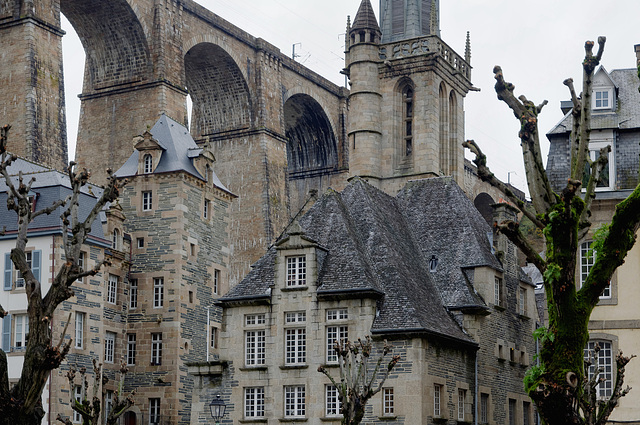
336, 332
148, 164
133, 294
81, 264
115, 243
437, 393
605, 363
158, 292
79, 330
254, 348
147, 200
602, 99
295, 339
205, 209
108, 404
21, 330
254, 319
213, 337
607, 175
294, 401
497, 290
131, 349
156, 349
109, 346
587, 259
216, 281
112, 288
13, 276
154, 411
331, 401
388, 402
296, 271
77, 395
19, 278
254, 402
462, 395
484, 408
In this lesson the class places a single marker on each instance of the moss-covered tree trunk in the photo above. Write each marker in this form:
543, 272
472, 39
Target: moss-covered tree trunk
22, 402
558, 386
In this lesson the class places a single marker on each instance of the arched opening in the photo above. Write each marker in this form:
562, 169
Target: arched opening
130, 418
148, 164
444, 130
219, 92
311, 143
453, 134
483, 203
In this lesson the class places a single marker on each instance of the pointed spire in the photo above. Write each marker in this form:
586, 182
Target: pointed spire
365, 18
467, 49
433, 27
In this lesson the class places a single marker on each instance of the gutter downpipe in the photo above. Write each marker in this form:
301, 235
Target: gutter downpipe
208, 333
475, 395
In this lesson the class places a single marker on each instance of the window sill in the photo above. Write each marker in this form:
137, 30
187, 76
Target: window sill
293, 419
439, 420
330, 365
524, 316
499, 307
253, 421
252, 368
294, 366
388, 418
331, 419
294, 288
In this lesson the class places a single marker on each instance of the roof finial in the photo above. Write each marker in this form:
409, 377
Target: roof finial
467, 49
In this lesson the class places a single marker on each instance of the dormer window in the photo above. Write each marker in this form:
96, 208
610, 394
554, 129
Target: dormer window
296, 271
148, 164
602, 99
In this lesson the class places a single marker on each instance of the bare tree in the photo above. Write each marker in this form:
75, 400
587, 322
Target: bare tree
358, 383
89, 409
22, 402
556, 385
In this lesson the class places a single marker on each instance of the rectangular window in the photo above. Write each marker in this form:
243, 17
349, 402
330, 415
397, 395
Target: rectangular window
108, 404
156, 349
437, 389
605, 363
295, 317
216, 281
140, 242
254, 402
601, 98
205, 209
77, 395
296, 271
607, 174
335, 334
20, 278
131, 349
254, 348
294, 401
158, 292
214, 337
522, 301
147, 200
512, 412
133, 294
462, 395
526, 413
484, 408
587, 259
497, 291
112, 289
79, 330
337, 314
332, 403
154, 411
109, 346
81, 258
20, 332
388, 404
296, 346
254, 319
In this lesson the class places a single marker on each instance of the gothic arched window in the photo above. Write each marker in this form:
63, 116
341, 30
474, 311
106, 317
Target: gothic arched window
444, 130
407, 119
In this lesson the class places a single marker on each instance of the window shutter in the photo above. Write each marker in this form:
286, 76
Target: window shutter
8, 270
397, 17
6, 333
35, 264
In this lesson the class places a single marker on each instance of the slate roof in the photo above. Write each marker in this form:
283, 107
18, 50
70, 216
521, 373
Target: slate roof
49, 186
627, 114
178, 147
381, 245
365, 18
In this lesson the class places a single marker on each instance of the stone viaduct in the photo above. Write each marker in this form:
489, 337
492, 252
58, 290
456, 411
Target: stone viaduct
277, 128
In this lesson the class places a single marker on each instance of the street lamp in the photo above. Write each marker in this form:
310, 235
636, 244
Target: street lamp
217, 407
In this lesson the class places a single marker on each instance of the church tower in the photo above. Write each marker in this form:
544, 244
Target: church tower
406, 114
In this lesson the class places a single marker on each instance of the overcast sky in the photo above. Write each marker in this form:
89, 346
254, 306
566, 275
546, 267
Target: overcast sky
538, 44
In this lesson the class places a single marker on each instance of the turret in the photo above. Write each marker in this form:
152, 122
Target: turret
362, 59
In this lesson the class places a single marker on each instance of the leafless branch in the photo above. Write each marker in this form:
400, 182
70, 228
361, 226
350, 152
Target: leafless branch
511, 230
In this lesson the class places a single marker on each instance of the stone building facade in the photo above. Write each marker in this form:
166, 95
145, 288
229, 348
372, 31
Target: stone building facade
418, 270
615, 123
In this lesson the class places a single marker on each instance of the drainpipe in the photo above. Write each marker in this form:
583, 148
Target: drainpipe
208, 342
53, 275
475, 391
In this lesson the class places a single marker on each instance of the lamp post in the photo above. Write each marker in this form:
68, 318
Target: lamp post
217, 408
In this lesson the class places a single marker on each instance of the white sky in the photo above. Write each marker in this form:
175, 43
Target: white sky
538, 44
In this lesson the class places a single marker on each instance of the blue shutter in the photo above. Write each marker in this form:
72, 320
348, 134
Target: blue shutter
8, 270
6, 333
35, 264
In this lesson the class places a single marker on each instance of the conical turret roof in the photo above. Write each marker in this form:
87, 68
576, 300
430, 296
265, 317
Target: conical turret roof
365, 18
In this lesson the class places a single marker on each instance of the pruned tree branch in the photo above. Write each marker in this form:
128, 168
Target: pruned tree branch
511, 230
590, 193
